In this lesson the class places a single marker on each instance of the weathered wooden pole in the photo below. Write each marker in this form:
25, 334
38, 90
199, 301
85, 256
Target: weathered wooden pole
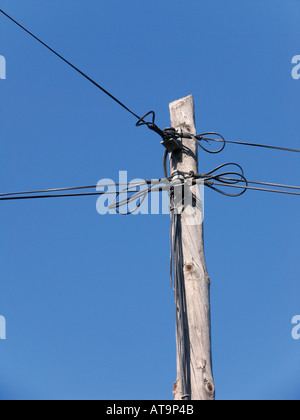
195, 296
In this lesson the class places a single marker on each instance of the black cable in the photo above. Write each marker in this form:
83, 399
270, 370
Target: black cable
46, 191
165, 163
207, 139
71, 65
33, 197
213, 172
202, 137
73, 188
141, 120
210, 179
224, 178
139, 196
247, 187
22, 196
210, 185
182, 330
269, 184
230, 178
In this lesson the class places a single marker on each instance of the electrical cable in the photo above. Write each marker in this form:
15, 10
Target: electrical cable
202, 137
208, 139
28, 195
165, 163
269, 184
141, 121
247, 187
231, 178
140, 195
182, 331
33, 197
72, 65
225, 178
74, 188
173, 134
210, 179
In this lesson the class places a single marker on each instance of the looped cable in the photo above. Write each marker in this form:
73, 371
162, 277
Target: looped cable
213, 174
211, 185
170, 136
156, 185
201, 137
228, 178
150, 124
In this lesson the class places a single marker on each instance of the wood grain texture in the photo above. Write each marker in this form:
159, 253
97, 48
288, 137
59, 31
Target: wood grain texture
197, 281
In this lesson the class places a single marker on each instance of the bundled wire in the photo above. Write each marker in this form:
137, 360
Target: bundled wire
230, 178
49, 193
129, 190
237, 180
182, 330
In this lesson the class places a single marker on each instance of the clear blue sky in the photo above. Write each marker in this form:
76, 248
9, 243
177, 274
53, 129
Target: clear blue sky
87, 299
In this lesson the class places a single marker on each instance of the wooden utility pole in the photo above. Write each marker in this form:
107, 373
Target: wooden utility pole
196, 279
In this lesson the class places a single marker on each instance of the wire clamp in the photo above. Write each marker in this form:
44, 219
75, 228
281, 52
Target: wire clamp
169, 140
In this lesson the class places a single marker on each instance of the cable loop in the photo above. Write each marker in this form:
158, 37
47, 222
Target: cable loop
139, 197
150, 124
228, 178
201, 137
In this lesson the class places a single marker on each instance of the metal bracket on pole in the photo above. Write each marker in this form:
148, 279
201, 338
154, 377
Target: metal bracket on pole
169, 142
